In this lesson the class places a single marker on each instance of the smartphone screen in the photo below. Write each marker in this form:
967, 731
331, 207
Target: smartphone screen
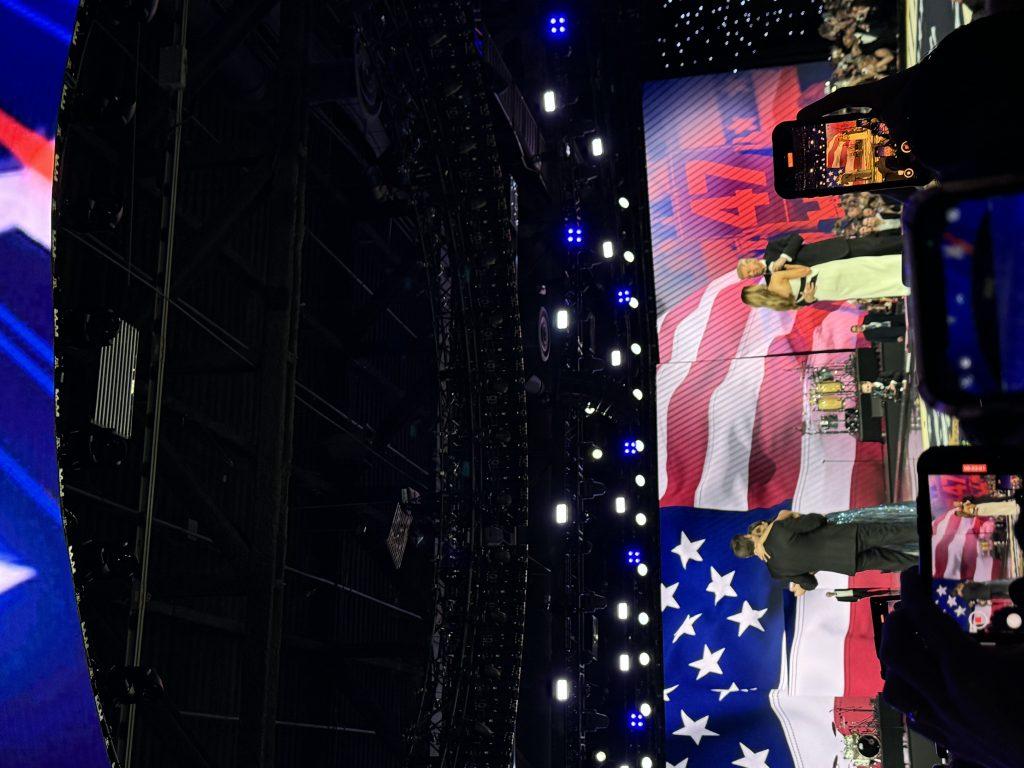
974, 554
844, 155
981, 247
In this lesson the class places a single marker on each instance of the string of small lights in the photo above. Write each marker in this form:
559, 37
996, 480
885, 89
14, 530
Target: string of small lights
692, 37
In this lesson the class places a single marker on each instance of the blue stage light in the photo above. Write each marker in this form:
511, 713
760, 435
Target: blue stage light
632, 447
633, 556
636, 720
574, 236
623, 296
557, 25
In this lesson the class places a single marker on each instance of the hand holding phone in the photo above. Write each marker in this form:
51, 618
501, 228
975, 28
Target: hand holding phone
958, 693
969, 505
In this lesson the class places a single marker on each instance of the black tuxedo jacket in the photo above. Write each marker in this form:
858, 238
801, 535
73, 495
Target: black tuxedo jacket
799, 546
813, 254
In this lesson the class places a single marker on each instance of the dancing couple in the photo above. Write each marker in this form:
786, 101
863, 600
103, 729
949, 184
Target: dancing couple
880, 538
839, 269
795, 546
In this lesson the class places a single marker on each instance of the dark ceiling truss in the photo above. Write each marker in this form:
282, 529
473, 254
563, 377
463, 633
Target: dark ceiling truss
436, 93
275, 458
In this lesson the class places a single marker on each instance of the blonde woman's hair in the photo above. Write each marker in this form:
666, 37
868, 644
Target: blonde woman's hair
760, 296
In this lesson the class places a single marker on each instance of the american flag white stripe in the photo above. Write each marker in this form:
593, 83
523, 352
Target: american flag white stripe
724, 482
807, 723
685, 343
818, 652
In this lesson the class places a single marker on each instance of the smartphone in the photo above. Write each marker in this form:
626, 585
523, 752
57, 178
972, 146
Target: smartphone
969, 500
837, 155
966, 251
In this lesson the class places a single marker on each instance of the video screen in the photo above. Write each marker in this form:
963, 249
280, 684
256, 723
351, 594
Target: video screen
982, 254
849, 153
974, 553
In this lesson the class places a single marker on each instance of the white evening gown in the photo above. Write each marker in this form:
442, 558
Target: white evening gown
863, 277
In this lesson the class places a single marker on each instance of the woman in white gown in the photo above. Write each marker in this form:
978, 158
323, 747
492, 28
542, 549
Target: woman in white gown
864, 277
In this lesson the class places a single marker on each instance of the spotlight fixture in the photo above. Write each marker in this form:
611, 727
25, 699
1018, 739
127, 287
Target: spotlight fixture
640, 480
596, 453
623, 202
615, 358
607, 249
574, 234
632, 447
600, 756
624, 662
620, 505
561, 689
589, 409
562, 319
635, 348
643, 618
596, 146
561, 513
642, 569
557, 25
634, 302
644, 659
629, 256
646, 762
549, 101
638, 393
623, 296
641, 519
636, 720
622, 611
632, 556
645, 709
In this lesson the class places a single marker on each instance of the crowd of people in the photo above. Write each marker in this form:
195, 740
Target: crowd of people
866, 213
863, 41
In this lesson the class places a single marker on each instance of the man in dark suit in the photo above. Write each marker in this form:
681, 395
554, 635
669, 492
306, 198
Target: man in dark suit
792, 250
878, 327
795, 547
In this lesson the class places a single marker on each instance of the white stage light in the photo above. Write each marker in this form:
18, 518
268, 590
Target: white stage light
589, 409
634, 302
644, 659
561, 513
623, 202
622, 611
640, 480
635, 348
562, 319
620, 505
615, 358
562, 689
629, 256
646, 762
645, 709
607, 249
596, 146
642, 569
638, 394
600, 756
643, 618
624, 662
640, 446
596, 454
550, 104
641, 519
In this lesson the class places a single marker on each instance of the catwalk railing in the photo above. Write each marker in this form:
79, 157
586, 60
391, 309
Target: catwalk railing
426, 61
